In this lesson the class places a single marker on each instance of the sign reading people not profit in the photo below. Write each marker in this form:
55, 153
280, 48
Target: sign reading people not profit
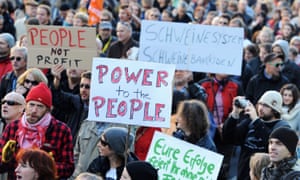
192, 47
74, 47
131, 92
179, 160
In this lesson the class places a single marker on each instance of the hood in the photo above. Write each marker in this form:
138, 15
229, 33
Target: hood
284, 45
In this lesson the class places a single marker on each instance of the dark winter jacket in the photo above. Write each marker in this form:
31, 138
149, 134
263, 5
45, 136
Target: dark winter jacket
252, 136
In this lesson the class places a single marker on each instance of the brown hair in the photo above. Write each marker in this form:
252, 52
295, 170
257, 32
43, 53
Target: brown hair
257, 162
295, 92
40, 161
194, 112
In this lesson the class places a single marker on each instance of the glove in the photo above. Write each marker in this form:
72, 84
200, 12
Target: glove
8, 151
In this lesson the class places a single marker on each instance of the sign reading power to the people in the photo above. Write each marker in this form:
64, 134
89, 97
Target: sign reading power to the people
74, 47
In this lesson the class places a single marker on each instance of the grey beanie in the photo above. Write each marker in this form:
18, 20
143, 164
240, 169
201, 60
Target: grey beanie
8, 38
116, 138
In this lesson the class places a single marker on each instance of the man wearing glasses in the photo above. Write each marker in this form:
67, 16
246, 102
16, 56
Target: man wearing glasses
74, 106
37, 128
12, 108
268, 78
18, 59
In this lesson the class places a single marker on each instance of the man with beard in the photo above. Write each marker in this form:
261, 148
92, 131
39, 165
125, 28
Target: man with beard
251, 129
74, 106
69, 82
37, 128
268, 78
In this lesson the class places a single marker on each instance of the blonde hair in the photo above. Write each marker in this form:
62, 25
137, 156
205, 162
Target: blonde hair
258, 161
82, 16
37, 74
88, 176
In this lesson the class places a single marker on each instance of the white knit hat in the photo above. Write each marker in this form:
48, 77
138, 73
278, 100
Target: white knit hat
273, 99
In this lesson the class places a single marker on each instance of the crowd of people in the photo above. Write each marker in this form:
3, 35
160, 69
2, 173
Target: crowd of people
44, 131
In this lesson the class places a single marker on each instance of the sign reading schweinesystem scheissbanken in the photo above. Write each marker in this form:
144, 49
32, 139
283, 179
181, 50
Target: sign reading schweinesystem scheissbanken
74, 47
131, 92
176, 159
194, 47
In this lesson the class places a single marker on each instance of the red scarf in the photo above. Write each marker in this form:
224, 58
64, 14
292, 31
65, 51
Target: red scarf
32, 135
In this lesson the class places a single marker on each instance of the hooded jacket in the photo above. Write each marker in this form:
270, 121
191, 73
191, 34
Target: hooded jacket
290, 68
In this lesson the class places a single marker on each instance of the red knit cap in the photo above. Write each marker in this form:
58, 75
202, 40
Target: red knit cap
40, 93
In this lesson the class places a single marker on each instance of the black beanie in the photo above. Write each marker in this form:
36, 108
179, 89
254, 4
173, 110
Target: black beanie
141, 170
287, 136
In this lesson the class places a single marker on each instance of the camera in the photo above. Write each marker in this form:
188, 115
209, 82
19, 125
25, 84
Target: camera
241, 103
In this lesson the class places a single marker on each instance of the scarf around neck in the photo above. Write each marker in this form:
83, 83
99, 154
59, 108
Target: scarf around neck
32, 135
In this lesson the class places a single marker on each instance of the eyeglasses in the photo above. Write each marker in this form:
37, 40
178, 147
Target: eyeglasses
86, 86
10, 103
223, 22
277, 65
15, 58
31, 82
103, 143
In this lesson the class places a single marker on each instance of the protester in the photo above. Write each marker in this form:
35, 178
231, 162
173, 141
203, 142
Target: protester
258, 161
105, 35
193, 124
35, 164
119, 48
268, 78
44, 14
30, 7
282, 151
289, 69
113, 153
251, 129
257, 63
37, 128
7, 41
18, 57
12, 108
221, 90
30, 78
85, 150
75, 107
138, 170
291, 106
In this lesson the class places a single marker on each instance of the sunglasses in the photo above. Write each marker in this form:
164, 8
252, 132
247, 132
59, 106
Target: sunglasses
277, 65
17, 58
10, 103
103, 143
86, 86
31, 82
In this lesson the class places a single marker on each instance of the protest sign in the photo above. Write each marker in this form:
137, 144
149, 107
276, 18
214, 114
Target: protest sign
131, 92
194, 47
179, 160
74, 47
